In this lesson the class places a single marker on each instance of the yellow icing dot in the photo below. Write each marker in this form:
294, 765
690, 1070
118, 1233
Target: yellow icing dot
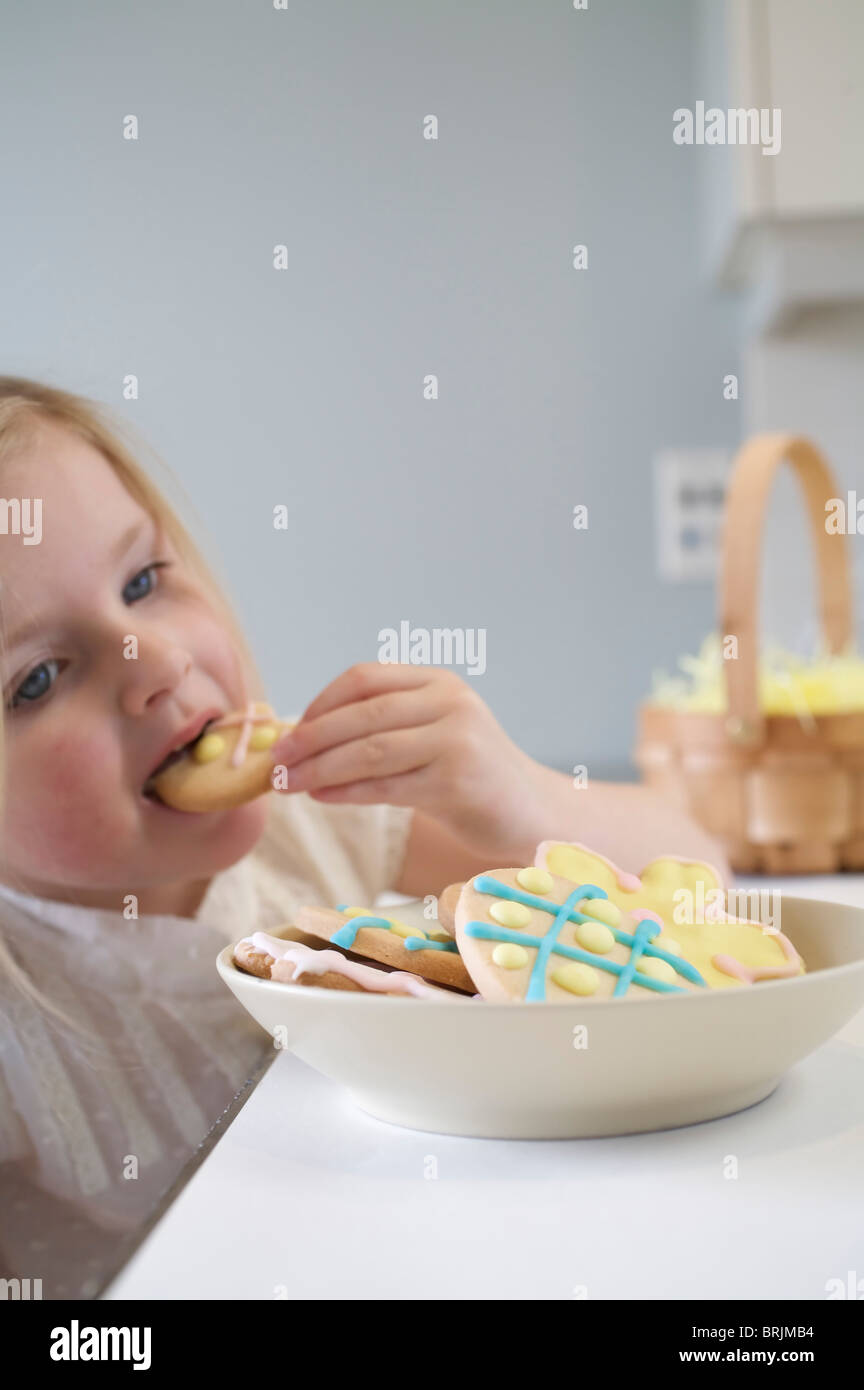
360, 912
262, 736
667, 944
439, 936
602, 909
534, 880
208, 748
400, 929
577, 978
510, 956
657, 969
510, 914
595, 936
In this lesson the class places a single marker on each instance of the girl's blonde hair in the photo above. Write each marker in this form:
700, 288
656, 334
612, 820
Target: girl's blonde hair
24, 405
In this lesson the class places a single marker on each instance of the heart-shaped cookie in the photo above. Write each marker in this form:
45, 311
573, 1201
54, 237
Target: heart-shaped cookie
687, 895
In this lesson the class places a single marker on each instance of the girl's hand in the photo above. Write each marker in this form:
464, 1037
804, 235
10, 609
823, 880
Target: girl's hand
415, 736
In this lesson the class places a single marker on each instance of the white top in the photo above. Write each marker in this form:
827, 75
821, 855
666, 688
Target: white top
93, 1132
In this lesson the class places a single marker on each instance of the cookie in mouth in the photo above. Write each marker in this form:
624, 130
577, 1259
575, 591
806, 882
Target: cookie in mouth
149, 789
228, 764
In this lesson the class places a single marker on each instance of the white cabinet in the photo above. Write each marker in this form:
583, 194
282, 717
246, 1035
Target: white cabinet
789, 226
812, 56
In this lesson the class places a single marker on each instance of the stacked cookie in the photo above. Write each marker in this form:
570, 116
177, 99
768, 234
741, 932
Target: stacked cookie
570, 925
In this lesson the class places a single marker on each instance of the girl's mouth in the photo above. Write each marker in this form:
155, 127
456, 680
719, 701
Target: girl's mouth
148, 791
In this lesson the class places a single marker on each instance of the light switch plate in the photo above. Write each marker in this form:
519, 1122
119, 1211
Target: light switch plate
689, 496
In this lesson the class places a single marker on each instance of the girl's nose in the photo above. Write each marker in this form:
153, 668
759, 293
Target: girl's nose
157, 669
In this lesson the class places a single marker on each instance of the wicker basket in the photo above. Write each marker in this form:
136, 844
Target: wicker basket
783, 798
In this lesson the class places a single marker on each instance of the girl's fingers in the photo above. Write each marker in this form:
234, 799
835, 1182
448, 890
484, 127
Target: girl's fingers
383, 755
399, 709
370, 678
406, 790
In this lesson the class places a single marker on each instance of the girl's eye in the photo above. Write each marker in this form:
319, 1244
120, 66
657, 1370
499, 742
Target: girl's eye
143, 583
36, 684
41, 679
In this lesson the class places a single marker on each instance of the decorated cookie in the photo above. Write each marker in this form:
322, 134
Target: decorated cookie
530, 934
272, 958
653, 888
231, 762
432, 955
447, 908
687, 895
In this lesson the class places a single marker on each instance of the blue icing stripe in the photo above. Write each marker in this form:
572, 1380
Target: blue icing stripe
537, 983
483, 932
484, 883
549, 945
678, 963
422, 943
644, 932
346, 935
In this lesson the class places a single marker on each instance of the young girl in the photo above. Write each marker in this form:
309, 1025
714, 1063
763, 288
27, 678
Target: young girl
119, 1045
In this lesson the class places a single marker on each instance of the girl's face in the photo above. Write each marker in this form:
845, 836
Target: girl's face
113, 649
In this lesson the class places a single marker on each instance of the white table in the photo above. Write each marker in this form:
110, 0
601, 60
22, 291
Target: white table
307, 1197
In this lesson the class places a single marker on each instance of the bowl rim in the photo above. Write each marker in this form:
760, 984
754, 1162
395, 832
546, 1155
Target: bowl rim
348, 998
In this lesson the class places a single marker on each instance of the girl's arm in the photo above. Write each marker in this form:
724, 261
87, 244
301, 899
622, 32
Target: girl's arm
630, 824
421, 737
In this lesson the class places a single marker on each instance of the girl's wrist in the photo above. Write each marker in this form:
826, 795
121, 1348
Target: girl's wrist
544, 810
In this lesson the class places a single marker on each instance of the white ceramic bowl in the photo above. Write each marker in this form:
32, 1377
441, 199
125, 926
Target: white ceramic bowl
527, 1071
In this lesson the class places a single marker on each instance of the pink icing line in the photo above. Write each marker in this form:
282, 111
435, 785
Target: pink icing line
628, 883
319, 962
247, 719
229, 720
750, 974
639, 914
239, 753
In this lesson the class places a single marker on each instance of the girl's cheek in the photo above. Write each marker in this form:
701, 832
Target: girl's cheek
63, 813
60, 782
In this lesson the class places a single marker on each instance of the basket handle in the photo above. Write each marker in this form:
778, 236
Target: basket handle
753, 473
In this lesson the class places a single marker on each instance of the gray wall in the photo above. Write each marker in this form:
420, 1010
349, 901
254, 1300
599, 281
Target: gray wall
408, 257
